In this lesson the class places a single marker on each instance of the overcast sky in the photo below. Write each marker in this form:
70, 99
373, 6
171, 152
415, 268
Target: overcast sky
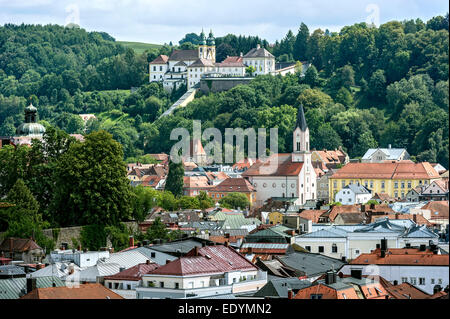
162, 21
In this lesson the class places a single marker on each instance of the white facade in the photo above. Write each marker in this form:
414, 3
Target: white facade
347, 196
203, 285
157, 71
421, 276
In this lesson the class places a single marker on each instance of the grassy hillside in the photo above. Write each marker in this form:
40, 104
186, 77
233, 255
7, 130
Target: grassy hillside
139, 47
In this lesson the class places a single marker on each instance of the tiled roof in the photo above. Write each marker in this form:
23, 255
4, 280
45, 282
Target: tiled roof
134, 273
279, 287
184, 55
420, 220
344, 209
402, 256
161, 59
276, 165
397, 170
86, 291
406, 291
258, 53
330, 156
351, 218
18, 244
439, 209
196, 182
357, 189
245, 163
312, 214
210, 260
264, 248
234, 185
232, 61
202, 63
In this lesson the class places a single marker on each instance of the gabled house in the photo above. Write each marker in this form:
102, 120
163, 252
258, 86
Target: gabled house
23, 249
379, 155
84, 291
353, 194
206, 271
437, 190
125, 282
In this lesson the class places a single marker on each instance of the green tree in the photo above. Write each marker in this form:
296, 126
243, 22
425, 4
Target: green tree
235, 200
311, 76
174, 181
301, 42
99, 191
250, 70
204, 200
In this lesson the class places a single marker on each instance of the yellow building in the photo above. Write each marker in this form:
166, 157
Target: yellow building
275, 218
233, 185
393, 178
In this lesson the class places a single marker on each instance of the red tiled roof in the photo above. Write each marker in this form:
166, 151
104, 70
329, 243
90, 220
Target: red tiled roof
331, 157
245, 163
234, 185
85, 291
19, 244
401, 256
396, 170
344, 209
134, 273
232, 61
196, 182
406, 291
326, 292
312, 214
161, 59
276, 165
441, 207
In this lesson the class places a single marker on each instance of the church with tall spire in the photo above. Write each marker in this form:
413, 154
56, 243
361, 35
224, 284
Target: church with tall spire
288, 177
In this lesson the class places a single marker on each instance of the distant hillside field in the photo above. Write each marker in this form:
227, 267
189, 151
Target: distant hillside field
140, 47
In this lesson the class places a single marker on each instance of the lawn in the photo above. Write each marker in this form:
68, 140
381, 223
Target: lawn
139, 47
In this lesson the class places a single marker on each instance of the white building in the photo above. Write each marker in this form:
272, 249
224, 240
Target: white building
422, 268
286, 175
261, 59
206, 272
353, 194
350, 241
187, 67
379, 155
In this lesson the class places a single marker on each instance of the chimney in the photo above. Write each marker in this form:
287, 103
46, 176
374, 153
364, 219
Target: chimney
258, 46
363, 208
389, 146
226, 244
414, 218
196, 251
241, 55
11, 247
168, 261
290, 294
147, 262
330, 277
31, 284
372, 206
79, 247
250, 250
383, 246
131, 241
423, 247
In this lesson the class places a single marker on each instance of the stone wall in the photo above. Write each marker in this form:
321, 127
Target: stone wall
221, 84
66, 234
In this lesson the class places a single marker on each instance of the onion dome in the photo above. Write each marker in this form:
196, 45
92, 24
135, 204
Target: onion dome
202, 38
211, 39
30, 127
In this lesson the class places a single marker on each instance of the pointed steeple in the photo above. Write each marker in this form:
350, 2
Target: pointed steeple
301, 121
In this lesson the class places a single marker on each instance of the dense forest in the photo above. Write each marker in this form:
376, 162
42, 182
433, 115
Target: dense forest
368, 86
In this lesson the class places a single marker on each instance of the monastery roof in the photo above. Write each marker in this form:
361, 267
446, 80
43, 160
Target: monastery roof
232, 61
258, 53
395, 170
184, 55
161, 59
202, 63
392, 153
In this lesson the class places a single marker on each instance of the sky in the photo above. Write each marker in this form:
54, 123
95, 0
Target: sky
162, 21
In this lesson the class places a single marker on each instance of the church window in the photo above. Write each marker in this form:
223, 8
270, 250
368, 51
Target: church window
298, 146
292, 185
154, 68
409, 184
265, 185
160, 68
283, 185
274, 185
343, 183
335, 184
382, 184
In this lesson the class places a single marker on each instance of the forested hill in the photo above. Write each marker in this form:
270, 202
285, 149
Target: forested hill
369, 86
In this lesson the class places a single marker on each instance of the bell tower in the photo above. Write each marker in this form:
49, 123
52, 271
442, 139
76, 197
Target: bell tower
301, 152
202, 48
211, 42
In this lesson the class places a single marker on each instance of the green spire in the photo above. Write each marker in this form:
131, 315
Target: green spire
202, 38
211, 40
